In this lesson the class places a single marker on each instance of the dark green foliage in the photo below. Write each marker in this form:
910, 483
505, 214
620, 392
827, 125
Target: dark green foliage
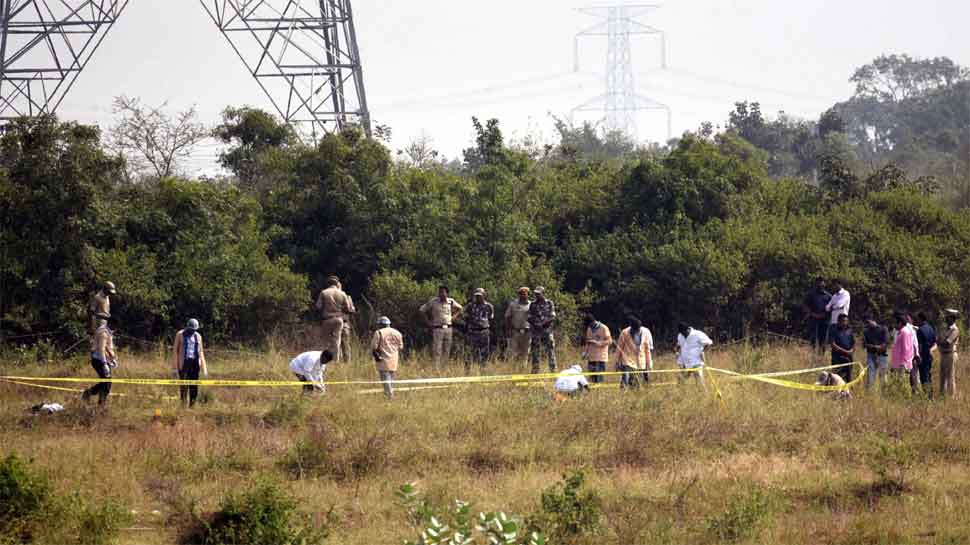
568, 511
264, 515
724, 230
25, 496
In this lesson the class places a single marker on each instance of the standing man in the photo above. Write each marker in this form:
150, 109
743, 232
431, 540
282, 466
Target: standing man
478, 318
597, 352
189, 360
816, 301
904, 352
542, 315
347, 332
839, 303
439, 312
842, 343
100, 304
517, 323
633, 354
947, 344
386, 346
876, 340
333, 305
926, 339
690, 352
103, 359
309, 367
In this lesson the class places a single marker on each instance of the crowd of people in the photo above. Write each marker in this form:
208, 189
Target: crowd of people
909, 349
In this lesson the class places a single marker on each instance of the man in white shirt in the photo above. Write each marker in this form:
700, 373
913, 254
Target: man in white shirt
571, 382
690, 352
839, 303
309, 367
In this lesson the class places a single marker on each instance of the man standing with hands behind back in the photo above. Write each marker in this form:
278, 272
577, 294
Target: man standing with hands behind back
542, 314
439, 312
947, 345
333, 305
815, 305
517, 322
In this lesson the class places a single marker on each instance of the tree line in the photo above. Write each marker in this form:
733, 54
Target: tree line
724, 227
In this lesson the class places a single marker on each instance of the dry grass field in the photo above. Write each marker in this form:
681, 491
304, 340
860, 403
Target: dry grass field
669, 464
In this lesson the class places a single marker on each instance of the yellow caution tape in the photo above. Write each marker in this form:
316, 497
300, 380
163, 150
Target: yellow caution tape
766, 377
77, 391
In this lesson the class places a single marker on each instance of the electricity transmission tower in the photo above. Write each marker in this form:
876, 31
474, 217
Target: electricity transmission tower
43, 48
620, 103
302, 53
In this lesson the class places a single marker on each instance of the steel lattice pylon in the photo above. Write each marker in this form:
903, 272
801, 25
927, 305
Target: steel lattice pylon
304, 55
44, 45
620, 102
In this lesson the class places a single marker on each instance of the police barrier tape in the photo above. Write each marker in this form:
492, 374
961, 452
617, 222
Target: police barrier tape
770, 378
78, 391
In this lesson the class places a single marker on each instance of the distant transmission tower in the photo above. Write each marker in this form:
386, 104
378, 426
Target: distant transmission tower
304, 55
620, 102
44, 45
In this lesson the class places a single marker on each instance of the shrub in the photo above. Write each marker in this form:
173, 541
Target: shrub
98, 522
891, 459
262, 516
458, 526
567, 511
25, 496
744, 517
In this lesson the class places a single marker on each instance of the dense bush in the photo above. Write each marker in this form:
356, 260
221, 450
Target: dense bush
707, 229
568, 512
264, 515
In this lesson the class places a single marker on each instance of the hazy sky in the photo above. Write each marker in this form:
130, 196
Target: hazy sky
429, 65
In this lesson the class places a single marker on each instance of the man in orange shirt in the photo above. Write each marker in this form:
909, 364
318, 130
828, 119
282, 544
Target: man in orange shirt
633, 354
597, 353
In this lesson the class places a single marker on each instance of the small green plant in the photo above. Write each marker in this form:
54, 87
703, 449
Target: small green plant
98, 522
459, 526
263, 516
567, 511
891, 459
25, 496
744, 517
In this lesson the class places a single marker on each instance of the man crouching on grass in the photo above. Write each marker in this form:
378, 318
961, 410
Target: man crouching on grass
831, 379
309, 368
571, 382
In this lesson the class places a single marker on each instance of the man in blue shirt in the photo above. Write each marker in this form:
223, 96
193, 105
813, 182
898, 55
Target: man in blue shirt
926, 338
818, 317
843, 346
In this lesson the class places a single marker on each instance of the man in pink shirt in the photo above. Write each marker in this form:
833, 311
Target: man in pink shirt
904, 352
